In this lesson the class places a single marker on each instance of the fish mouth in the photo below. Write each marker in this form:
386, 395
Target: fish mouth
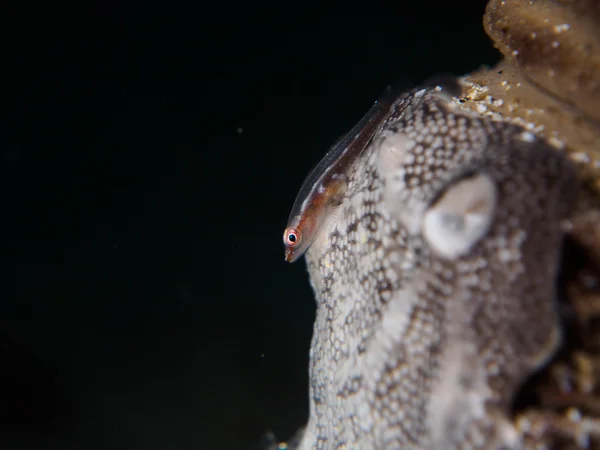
290, 255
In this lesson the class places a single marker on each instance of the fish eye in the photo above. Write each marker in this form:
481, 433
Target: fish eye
292, 237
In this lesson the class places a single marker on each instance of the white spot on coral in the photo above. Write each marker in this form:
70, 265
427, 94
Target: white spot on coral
574, 415
561, 28
556, 142
580, 157
527, 136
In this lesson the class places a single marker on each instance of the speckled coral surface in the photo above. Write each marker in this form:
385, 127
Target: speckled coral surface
406, 350
390, 350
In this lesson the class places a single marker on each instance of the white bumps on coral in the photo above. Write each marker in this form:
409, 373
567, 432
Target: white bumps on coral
461, 216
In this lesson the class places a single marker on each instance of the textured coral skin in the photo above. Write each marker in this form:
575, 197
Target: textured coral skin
556, 44
413, 349
417, 348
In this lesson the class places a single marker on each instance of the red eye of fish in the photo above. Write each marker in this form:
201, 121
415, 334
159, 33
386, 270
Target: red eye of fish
292, 237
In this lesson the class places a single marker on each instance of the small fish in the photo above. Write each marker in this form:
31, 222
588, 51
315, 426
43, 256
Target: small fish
326, 184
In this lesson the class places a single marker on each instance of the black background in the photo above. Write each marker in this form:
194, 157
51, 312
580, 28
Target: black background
151, 153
